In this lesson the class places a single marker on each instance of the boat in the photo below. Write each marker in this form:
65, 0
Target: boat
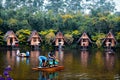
22, 55
49, 69
27, 54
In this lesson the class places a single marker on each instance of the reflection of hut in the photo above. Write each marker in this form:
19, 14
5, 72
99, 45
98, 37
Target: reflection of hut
84, 58
60, 56
34, 39
34, 55
59, 39
109, 61
84, 41
10, 57
11, 39
109, 41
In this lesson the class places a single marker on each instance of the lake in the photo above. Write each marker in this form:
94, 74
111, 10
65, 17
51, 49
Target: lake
79, 65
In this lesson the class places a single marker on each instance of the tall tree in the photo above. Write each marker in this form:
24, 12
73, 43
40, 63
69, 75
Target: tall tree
100, 6
55, 5
73, 5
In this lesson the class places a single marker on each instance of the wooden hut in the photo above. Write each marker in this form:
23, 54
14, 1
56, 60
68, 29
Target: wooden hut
109, 40
84, 41
34, 39
59, 40
11, 39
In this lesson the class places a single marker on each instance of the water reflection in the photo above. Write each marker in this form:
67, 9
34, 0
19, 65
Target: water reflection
22, 59
109, 61
72, 61
98, 61
84, 58
27, 60
13, 59
60, 56
10, 56
34, 54
34, 57
48, 76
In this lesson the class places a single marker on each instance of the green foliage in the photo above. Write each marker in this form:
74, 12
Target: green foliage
117, 36
23, 35
49, 37
1, 38
67, 16
1, 21
98, 37
69, 38
45, 32
75, 34
13, 24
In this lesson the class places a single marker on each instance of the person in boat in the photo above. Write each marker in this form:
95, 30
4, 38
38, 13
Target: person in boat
52, 59
42, 61
18, 52
27, 53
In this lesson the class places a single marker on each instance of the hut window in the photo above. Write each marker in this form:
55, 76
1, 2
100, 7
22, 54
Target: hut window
109, 40
84, 40
11, 41
34, 40
35, 33
59, 40
109, 35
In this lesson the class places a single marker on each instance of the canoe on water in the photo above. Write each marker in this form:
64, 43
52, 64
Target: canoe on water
49, 69
22, 55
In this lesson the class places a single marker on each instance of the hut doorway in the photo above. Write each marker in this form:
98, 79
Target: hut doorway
59, 40
11, 41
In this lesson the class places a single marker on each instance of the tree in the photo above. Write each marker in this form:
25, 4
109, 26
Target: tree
100, 6
1, 38
69, 38
98, 37
73, 5
23, 35
48, 36
55, 5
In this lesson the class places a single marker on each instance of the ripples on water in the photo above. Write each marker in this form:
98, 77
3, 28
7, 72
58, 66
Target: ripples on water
79, 65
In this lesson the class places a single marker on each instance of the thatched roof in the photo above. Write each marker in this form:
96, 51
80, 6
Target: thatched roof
32, 34
59, 35
6, 36
109, 37
82, 37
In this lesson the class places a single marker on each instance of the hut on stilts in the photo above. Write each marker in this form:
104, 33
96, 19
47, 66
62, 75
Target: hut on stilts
11, 40
34, 40
109, 41
59, 40
84, 41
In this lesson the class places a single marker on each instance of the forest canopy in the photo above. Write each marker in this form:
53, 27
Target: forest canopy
69, 16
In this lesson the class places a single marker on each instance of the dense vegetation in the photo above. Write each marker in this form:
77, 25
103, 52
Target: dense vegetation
68, 16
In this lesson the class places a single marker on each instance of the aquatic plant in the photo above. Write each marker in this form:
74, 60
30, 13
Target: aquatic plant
6, 75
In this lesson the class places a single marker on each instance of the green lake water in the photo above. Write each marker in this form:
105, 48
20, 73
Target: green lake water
79, 65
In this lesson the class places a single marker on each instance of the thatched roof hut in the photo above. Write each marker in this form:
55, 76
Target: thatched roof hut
11, 38
59, 39
84, 40
34, 38
110, 40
